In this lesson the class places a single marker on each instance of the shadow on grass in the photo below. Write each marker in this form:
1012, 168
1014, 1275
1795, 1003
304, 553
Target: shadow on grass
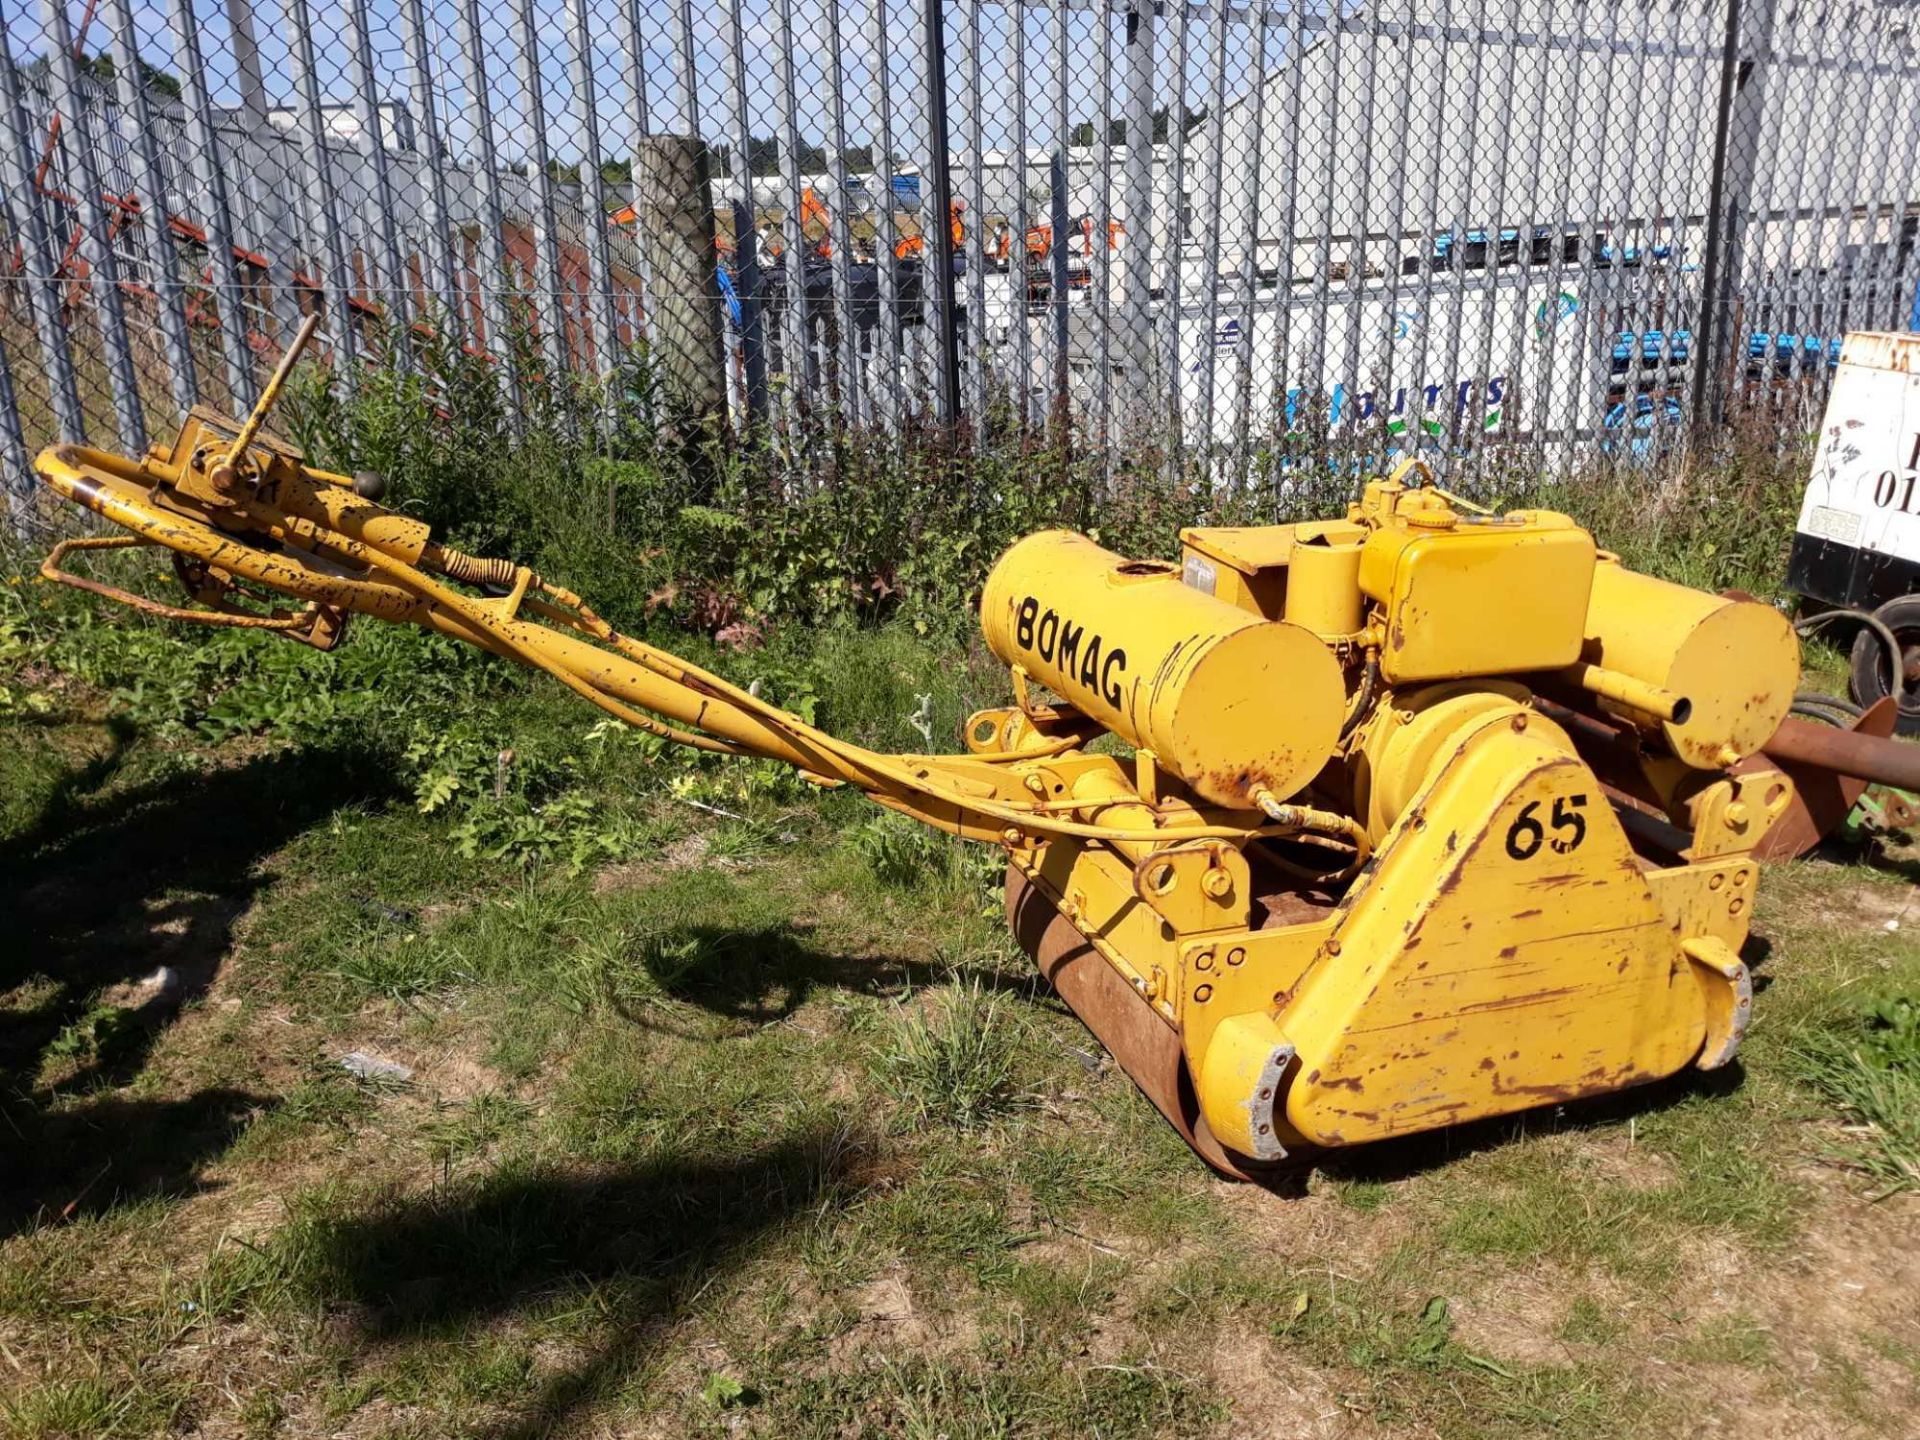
761, 974
116, 911
1879, 854
107, 1152
632, 1247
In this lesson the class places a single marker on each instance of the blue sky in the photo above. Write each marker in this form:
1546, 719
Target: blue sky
667, 106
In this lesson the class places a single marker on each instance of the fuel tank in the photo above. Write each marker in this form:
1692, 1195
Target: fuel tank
1231, 703
1736, 661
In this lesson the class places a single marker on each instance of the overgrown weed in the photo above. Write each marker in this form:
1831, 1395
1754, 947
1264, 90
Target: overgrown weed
951, 1062
1868, 1065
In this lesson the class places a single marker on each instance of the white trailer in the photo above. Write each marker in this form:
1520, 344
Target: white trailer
1857, 544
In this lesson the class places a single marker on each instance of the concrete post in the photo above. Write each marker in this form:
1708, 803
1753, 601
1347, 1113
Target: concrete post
1745, 72
676, 215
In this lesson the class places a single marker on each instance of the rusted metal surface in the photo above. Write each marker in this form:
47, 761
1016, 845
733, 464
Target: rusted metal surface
1859, 753
1614, 751
1896, 812
1140, 1042
1824, 763
1823, 795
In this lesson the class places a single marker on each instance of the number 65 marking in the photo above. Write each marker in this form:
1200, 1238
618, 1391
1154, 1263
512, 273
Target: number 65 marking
1526, 835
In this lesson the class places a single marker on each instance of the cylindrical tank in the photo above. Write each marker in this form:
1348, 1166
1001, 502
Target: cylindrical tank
1323, 577
1736, 662
1231, 703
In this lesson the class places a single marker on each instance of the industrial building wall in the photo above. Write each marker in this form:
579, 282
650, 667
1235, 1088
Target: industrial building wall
1417, 127
1563, 113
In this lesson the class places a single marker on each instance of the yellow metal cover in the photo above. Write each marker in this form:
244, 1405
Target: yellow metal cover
1505, 952
1737, 662
1258, 568
1245, 548
1466, 596
1230, 703
1244, 565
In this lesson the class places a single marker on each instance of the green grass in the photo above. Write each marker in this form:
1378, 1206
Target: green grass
955, 1064
682, 1109
1868, 1067
1733, 1339
733, 1107
1588, 1322
98, 1407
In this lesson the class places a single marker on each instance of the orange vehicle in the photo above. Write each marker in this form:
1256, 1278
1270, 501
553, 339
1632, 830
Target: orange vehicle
813, 217
1040, 240
912, 246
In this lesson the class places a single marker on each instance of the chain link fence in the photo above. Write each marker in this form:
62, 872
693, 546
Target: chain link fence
1236, 234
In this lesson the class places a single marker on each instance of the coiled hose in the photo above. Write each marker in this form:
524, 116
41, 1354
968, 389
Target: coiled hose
1896, 657
1826, 709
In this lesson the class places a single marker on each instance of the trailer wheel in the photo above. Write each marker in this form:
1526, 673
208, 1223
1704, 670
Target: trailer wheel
1873, 661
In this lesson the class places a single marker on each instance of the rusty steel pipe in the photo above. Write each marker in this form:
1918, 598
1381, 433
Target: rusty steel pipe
1845, 752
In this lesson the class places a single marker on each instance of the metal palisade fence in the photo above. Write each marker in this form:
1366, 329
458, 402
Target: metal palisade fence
1229, 231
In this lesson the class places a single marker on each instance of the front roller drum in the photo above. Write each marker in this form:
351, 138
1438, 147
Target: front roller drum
1140, 1042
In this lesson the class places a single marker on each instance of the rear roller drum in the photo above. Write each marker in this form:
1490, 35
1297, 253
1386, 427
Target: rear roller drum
1140, 1042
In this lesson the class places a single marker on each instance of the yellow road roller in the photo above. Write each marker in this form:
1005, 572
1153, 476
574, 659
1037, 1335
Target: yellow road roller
1423, 814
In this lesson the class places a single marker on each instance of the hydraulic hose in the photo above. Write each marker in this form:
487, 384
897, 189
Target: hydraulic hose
1829, 709
1363, 697
1896, 656
481, 570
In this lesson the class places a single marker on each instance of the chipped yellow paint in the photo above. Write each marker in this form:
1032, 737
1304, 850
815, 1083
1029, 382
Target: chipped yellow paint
1467, 596
1736, 661
1506, 951
1168, 668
